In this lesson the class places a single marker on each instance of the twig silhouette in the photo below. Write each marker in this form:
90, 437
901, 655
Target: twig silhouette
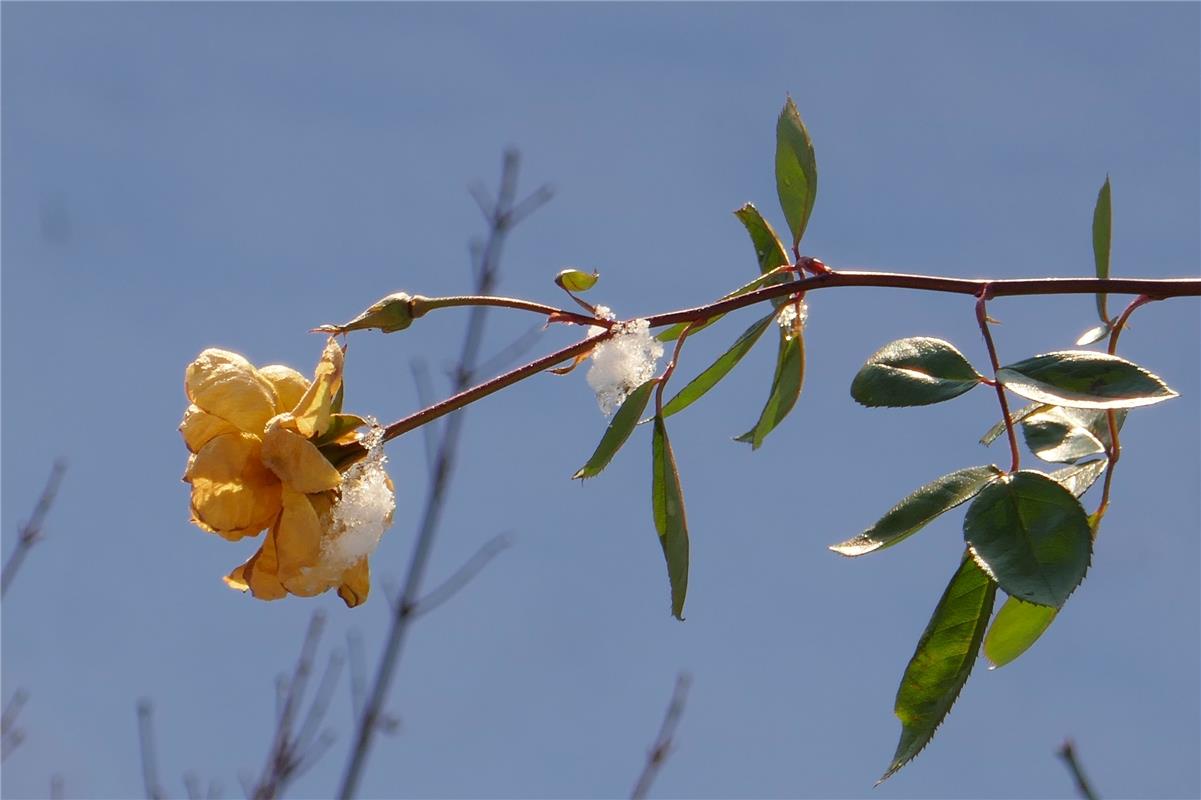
1067, 751
662, 747
502, 215
154, 789
10, 736
32, 531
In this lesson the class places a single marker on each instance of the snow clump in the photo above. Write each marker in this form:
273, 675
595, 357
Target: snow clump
623, 363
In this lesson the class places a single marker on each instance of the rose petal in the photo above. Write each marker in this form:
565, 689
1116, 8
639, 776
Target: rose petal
232, 492
313, 410
227, 385
289, 385
296, 460
260, 573
297, 535
200, 427
356, 584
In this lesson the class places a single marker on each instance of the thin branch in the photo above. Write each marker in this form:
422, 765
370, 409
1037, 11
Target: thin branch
154, 789
425, 396
11, 737
661, 749
1067, 751
504, 215
982, 320
1158, 289
358, 671
283, 759
32, 531
512, 351
462, 576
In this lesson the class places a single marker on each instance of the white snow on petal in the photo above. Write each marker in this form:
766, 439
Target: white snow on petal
621, 364
364, 510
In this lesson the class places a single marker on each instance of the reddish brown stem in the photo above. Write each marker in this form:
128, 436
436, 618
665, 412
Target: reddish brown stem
982, 320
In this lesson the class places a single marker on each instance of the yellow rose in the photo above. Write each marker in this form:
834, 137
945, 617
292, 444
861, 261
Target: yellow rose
254, 436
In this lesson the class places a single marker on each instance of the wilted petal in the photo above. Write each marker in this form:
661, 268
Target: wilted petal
289, 385
260, 573
312, 411
296, 460
232, 492
227, 385
297, 535
200, 427
356, 584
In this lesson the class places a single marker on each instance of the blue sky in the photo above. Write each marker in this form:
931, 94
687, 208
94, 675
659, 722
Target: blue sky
183, 176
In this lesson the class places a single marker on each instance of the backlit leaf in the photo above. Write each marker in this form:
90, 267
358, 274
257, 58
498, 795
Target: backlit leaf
785, 389
620, 428
919, 509
1102, 224
998, 430
667, 501
1066, 435
1031, 535
1084, 379
1093, 334
1017, 626
943, 660
574, 280
796, 170
702, 383
913, 372
1078, 478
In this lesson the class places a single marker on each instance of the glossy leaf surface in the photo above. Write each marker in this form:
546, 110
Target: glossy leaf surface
919, 509
702, 383
943, 660
796, 170
1078, 478
1093, 334
913, 372
785, 389
667, 501
1084, 379
1031, 535
998, 430
1102, 234
1017, 626
619, 430
1066, 435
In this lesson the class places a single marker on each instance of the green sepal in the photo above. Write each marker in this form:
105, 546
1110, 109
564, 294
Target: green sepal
1031, 535
785, 389
339, 425
335, 406
702, 383
667, 503
942, 661
1102, 235
919, 509
1084, 379
796, 170
913, 372
619, 430
1017, 626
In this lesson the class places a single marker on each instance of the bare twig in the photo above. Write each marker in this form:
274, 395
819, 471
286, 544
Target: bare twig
661, 749
425, 396
32, 531
462, 576
294, 752
1067, 751
501, 216
154, 789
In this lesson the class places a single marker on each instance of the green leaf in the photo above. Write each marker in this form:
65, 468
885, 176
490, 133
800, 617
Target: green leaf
942, 661
769, 251
913, 372
574, 280
785, 389
919, 509
702, 383
1093, 334
1031, 535
796, 170
1017, 626
620, 428
1078, 478
1084, 379
339, 425
998, 430
667, 501
1066, 435
1102, 223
